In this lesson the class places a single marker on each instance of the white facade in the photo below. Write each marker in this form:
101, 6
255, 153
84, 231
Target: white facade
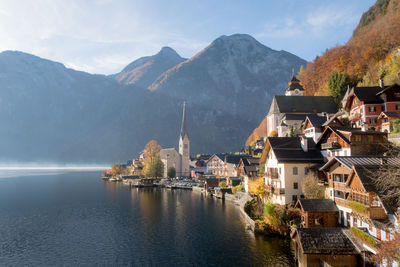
287, 179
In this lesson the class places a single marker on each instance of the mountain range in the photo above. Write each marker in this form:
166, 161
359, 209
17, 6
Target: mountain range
55, 114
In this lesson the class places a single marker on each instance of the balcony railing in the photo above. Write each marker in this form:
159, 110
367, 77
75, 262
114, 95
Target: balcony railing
274, 190
341, 186
272, 175
330, 145
376, 213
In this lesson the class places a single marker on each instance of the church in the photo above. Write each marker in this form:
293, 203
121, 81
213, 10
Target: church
290, 110
178, 160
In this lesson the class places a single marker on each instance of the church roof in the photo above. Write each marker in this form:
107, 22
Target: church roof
184, 130
303, 104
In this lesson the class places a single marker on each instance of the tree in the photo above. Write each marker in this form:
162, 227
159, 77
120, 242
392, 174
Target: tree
171, 173
116, 169
396, 126
338, 83
153, 165
291, 131
222, 184
311, 188
273, 133
388, 251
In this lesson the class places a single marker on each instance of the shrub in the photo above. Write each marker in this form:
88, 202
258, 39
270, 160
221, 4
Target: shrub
238, 188
357, 206
222, 184
396, 126
272, 215
248, 208
364, 236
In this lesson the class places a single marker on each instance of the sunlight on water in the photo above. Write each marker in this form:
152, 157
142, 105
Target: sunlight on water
10, 172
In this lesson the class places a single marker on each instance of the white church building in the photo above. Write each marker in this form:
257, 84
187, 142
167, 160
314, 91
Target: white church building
178, 160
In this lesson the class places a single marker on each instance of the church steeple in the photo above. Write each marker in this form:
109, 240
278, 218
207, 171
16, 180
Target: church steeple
183, 126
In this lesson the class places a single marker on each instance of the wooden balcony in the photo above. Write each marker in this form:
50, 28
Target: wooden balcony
342, 202
272, 175
279, 191
377, 213
330, 145
341, 186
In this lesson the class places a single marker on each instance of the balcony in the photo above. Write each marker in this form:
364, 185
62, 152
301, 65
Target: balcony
272, 175
342, 202
355, 117
377, 213
331, 143
341, 186
274, 190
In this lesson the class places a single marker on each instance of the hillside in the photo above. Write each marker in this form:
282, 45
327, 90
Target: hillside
361, 58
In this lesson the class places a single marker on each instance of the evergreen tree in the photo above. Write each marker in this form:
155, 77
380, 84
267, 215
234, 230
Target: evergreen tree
338, 83
171, 173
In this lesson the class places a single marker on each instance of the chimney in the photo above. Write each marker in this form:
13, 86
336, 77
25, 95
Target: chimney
304, 143
381, 84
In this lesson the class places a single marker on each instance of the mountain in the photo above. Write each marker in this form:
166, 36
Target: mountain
235, 74
364, 56
143, 71
51, 113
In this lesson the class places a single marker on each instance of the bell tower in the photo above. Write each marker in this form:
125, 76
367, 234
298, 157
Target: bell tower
184, 146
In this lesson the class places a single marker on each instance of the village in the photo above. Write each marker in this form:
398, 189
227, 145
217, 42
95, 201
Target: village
326, 175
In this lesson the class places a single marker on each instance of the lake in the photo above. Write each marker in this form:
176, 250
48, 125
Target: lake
59, 217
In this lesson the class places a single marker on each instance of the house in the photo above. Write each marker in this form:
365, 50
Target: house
386, 120
342, 141
248, 167
211, 183
315, 124
288, 161
365, 104
338, 170
216, 165
325, 247
318, 213
290, 110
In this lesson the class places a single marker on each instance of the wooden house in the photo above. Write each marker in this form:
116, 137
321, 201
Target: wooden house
341, 141
365, 104
318, 213
325, 247
386, 120
314, 125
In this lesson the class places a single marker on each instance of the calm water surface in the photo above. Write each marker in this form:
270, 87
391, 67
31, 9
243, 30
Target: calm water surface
73, 218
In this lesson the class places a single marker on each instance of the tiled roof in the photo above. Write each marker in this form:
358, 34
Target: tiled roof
349, 161
317, 205
288, 149
332, 241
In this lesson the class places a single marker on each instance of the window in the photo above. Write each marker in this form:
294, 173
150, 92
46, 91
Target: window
397, 95
294, 198
295, 185
357, 138
397, 106
295, 170
372, 109
305, 170
372, 120
370, 138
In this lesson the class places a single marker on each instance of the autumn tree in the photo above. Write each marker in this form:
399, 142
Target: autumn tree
153, 165
311, 188
116, 169
388, 251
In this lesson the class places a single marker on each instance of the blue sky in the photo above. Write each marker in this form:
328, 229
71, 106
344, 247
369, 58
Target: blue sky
102, 36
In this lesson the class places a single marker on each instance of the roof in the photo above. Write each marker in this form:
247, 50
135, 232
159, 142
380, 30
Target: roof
389, 114
184, 127
350, 161
294, 84
234, 159
366, 176
294, 117
317, 205
368, 94
316, 120
305, 104
332, 241
386, 88
332, 118
288, 149
339, 131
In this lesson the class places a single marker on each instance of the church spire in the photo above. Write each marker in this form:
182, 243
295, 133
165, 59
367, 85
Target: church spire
184, 127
